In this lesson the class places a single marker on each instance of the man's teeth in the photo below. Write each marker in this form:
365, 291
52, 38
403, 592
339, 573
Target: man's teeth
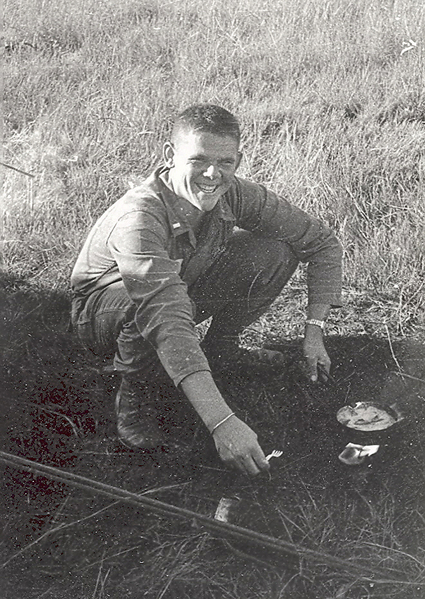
207, 188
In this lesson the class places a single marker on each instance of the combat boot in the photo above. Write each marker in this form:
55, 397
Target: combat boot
137, 417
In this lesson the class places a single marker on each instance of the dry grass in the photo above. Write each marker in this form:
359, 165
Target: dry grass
330, 95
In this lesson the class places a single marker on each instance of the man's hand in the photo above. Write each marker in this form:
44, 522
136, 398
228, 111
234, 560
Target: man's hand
318, 362
236, 443
317, 359
238, 447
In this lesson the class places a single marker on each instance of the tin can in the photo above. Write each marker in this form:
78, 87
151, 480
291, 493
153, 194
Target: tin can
227, 509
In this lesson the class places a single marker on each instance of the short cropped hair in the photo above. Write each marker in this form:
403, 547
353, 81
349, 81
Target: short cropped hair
207, 118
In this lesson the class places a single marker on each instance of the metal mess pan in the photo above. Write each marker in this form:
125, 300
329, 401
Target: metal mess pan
368, 416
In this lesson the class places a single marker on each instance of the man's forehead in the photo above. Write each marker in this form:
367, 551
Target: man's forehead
190, 138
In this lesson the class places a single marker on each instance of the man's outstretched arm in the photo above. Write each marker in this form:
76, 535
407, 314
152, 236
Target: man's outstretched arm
235, 441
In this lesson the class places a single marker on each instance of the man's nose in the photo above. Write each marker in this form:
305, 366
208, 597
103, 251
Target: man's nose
212, 171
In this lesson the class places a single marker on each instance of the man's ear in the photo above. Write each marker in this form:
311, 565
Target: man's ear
168, 154
238, 160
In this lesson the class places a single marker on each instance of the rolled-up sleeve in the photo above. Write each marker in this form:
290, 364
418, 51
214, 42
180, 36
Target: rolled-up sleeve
260, 210
164, 314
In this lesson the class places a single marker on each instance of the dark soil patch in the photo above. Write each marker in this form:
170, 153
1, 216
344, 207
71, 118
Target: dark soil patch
60, 542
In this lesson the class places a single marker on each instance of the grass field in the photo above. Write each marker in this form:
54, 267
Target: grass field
330, 94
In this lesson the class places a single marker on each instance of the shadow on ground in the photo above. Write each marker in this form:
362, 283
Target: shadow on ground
57, 403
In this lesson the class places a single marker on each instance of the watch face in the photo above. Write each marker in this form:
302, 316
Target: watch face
368, 416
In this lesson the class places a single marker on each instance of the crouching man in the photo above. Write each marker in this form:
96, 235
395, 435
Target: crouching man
166, 256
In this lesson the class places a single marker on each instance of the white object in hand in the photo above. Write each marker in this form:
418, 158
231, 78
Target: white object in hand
276, 453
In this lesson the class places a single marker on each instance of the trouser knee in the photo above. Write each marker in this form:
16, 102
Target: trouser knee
101, 321
252, 270
271, 262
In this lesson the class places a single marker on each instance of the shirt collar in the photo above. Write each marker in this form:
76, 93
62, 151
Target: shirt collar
178, 225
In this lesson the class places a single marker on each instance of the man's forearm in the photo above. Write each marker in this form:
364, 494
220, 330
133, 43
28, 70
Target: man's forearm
318, 311
203, 394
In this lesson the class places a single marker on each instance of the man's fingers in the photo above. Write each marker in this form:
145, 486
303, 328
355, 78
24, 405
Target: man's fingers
312, 369
243, 463
249, 466
260, 460
317, 367
323, 370
238, 447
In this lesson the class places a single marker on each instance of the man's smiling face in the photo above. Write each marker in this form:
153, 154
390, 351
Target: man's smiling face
202, 166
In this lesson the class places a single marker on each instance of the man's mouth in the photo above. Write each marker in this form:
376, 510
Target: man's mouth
207, 188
